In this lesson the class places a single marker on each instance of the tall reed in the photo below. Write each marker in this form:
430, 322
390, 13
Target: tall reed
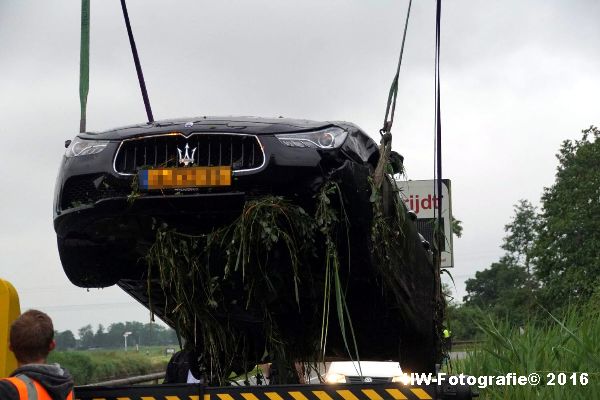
567, 345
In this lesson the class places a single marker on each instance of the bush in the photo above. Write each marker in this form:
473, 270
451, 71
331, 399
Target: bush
97, 366
461, 320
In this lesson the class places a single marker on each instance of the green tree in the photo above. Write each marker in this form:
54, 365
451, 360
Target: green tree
456, 227
521, 235
567, 251
65, 340
100, 338
86, 337
500, 289
461, 320
168, 337
136, 328
154, 335
114, 335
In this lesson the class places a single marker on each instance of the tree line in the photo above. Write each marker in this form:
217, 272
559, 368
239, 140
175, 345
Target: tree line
149, 334
552, 253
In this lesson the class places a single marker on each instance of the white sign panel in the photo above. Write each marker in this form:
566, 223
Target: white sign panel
420, 196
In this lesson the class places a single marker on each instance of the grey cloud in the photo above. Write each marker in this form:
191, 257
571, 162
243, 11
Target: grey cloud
518, 77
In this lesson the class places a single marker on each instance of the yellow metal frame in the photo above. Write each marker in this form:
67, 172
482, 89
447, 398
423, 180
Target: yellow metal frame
9, 311
385, 391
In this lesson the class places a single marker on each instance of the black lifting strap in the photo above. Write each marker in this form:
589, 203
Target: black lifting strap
393, 94
138, 66
438, 116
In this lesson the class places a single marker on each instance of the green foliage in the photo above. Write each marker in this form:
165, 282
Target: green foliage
328, 222
394, 252
86, 337
240, 268
461, 321
149, 334
391, 250
567, 255
97, 366
274, 259
553, 254
568, 344
457, 227
521, 235
65, 340
500, 289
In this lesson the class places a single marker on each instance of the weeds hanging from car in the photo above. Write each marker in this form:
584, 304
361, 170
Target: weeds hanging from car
264, 223
264, 259
135, 190
395, 256
332, 223
237, 270
392, 250
263, 288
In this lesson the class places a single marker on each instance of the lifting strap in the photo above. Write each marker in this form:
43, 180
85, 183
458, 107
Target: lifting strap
138, 66
385, 146
438, 237
438, 127
84, 62
393, 94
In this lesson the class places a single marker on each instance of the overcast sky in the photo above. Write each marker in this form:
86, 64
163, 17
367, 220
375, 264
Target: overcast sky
518, 77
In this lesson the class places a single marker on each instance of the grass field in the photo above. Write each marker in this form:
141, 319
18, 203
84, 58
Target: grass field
559, 351
90, 366
567, 347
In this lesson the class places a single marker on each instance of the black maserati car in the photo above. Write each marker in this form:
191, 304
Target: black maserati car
117, 188
196, 173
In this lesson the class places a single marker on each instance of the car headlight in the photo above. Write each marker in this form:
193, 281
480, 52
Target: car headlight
335, 378
404, 379
330, 138
82, 147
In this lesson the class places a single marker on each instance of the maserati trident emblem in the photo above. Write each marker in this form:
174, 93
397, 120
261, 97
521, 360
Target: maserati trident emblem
185, 158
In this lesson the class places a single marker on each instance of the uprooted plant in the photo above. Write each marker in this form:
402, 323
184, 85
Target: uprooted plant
210, 280
262, 288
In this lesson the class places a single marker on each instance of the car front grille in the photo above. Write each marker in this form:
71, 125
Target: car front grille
241, 152
375, 379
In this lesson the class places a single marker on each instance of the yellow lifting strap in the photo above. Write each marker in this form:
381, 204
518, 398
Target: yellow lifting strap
9, 311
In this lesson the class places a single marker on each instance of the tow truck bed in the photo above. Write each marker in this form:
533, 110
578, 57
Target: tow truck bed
386, 391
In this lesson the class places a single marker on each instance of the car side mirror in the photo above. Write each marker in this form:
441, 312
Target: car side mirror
67, 143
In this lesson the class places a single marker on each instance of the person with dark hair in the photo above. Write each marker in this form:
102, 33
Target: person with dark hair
184, 367
31, 339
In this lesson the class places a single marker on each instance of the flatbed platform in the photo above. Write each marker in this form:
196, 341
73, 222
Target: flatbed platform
387, 391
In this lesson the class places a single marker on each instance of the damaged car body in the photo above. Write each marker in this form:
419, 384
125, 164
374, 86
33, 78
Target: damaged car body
116, 188
102, 214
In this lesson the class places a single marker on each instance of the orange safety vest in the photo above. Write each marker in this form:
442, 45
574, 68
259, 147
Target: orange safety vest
29, 389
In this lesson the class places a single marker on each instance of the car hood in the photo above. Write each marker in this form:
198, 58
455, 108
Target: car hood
383, 369
247, 125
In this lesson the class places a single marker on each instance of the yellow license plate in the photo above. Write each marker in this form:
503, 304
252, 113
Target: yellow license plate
181, 178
